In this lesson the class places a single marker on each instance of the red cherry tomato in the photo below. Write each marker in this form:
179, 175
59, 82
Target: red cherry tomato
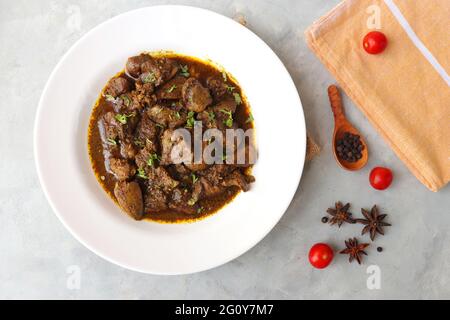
375, 42
380, 178
320, 255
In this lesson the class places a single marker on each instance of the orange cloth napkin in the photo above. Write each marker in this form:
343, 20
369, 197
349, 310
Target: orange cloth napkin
402, 93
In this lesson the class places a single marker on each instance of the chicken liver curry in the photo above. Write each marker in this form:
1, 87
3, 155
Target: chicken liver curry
130, 138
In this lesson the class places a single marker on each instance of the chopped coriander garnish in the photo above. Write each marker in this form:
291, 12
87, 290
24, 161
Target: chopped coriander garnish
194, 178
177, 115
122, 118
112, 142
211, 116
141, 173
139, 143
199, 210
229, 121
230, 88
126, 100
224, 76
190, 119
150, 77
173, 87
237, 98
249, 119
152, 158
160, 125
109, 98
184, 71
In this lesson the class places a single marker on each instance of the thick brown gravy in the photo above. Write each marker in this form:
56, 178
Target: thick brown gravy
98, 155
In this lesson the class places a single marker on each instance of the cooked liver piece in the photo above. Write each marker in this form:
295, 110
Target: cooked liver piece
117, 86
195, 96
121, 168
216, 86
129, 197
171, 90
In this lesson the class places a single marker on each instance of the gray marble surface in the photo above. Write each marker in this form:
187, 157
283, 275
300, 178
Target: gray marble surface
36, 251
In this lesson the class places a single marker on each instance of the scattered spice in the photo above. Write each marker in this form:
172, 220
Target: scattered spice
350, 147
380, 249
354, 250
324, 219
373, 222
340, 214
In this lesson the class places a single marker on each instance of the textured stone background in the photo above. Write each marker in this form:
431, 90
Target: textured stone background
36, 250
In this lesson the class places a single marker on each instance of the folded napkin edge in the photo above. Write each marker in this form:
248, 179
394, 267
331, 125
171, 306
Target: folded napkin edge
431, 181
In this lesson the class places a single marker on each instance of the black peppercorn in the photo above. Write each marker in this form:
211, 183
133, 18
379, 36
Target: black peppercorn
349, 147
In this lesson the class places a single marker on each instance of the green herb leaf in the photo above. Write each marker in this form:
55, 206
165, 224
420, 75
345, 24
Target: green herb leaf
151, 160
211, 116
139, 143
237, 98
110, 98
230, 88
249, 119
229, 121
126, 100
141, 173
184, 71
149, 78
194, 178
160, 125
224, 76
111, 142
122, 118
190, 119
173, 87
200, 210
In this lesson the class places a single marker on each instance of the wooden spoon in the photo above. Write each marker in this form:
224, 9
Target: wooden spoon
341, 126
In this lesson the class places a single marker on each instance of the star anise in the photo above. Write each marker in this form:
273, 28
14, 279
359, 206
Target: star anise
354, 249
340, 214
373, 221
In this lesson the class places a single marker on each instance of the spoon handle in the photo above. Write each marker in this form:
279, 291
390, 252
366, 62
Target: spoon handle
336, 102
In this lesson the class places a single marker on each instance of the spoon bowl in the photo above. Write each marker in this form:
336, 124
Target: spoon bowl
341, 126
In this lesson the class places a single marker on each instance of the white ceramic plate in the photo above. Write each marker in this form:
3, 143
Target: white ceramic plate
60, 141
